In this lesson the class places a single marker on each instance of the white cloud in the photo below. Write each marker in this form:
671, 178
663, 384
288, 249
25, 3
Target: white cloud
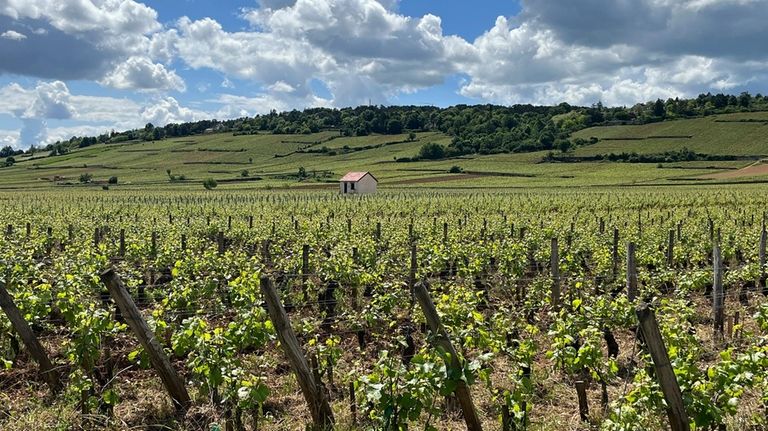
52, 101
236, 106
618, 52
114, 16
13, 35
281, 87
141, 74
9, 138
168, 110
81, 39
34, 107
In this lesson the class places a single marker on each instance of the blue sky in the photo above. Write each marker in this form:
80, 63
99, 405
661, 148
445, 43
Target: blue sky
83, 67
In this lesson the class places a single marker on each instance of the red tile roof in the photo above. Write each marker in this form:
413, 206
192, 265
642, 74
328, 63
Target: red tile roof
355, 176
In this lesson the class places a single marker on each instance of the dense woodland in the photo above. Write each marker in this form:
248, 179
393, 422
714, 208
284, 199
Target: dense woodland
483, 129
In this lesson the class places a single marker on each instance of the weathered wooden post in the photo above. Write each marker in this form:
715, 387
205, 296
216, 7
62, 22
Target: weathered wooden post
678, 418
761, 258
442, 341
304, 270
631, 272
321, 412
121, 248
30, 340
615, 251
171, 380
671, 249
581, 392
153, 245
220, 243
554, 263
718, 295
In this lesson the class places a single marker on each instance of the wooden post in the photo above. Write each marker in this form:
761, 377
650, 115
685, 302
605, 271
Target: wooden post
678, 419
153, 245
304, 270
631, 272
761, 255
615, 252
554, 263
506, 418
671, 249
718, 295
173, 383
413, 267
442, 341
322, 415
30, 340
581, 392
121, 250
353, 402
445, 232
221, 246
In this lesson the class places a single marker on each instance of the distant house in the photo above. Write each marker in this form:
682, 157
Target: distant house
358, 183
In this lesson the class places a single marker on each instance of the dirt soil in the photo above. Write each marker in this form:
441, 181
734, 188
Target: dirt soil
753, 170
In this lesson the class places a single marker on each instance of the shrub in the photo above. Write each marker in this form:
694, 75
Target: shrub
455, 170
244, 173
431, 151
210, 183
112, 180
86, 178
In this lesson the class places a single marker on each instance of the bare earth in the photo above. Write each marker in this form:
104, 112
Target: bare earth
754, 170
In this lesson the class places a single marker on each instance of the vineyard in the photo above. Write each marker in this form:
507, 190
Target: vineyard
611, 309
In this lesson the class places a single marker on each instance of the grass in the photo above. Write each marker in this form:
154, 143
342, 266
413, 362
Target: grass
719, 134
275, 159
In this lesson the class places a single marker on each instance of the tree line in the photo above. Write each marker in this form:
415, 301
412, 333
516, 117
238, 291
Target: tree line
476, 129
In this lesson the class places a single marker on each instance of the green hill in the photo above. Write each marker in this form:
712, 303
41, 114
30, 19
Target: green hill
742, 134
274, 160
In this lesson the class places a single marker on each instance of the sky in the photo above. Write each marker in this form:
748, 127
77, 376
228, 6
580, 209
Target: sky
85, 67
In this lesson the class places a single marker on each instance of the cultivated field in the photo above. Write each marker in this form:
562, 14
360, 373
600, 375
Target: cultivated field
536, 291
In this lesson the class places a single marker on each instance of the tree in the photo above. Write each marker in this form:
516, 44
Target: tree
112, 180
411, 136
431, 151
658, 109
394, 127
86, 178
210, 184
7, 151
302, 173
564, 145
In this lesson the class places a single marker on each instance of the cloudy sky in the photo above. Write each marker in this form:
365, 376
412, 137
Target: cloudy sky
76, 67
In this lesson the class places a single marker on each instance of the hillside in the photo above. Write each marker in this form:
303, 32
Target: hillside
274, 160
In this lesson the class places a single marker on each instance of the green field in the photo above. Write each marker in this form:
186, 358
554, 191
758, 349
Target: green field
274, 160
732, 134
